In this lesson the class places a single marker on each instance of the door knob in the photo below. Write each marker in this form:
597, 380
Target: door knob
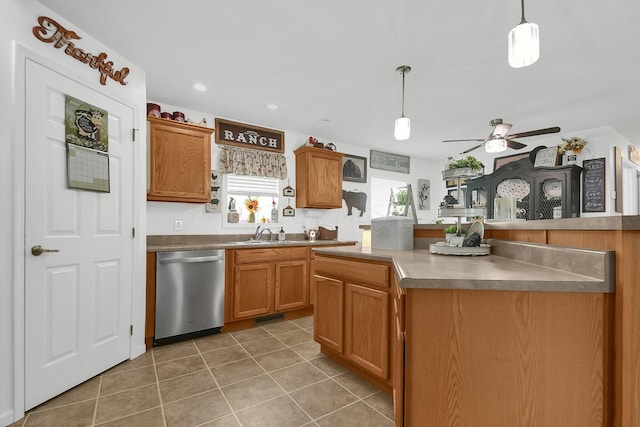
38, 250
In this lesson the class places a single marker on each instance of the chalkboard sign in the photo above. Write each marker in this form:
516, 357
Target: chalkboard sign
593, 185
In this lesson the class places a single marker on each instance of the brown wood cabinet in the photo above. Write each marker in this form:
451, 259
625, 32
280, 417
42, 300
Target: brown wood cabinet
352, 314
265, 281
253, 289
398, 351
289, 293
150, 314
506, 358
328, 319
179, 162
318, 178
367, 328
621, 387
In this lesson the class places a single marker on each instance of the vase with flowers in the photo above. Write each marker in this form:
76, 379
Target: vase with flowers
570, 148
251, 204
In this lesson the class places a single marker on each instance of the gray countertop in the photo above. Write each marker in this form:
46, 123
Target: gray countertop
169, 243
512, 266
619, 222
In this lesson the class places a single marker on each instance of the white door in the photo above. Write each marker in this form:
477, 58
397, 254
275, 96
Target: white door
77, 300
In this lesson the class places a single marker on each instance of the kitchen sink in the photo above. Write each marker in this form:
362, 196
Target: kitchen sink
259, 242
249, 242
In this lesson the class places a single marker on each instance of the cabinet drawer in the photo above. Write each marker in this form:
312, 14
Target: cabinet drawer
357, 271
270, 254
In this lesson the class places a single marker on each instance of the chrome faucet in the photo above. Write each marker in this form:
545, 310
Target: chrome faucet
259, 233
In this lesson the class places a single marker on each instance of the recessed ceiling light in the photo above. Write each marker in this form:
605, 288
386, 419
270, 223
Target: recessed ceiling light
199, 87
272, 106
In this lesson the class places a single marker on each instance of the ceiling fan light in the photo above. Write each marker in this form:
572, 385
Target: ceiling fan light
402, 129
524, 45
495, 145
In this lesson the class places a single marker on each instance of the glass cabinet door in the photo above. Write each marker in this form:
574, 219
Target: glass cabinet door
550, 200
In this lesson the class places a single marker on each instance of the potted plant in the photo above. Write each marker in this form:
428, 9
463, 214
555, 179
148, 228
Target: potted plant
467, 167
452, 230
574, 144
400, 199
570, 148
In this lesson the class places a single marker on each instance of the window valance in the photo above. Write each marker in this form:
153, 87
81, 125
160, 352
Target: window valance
241, 161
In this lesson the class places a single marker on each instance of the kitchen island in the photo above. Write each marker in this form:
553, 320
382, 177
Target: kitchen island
517, 338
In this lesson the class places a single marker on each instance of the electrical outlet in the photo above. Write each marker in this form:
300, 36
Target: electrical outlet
177, 225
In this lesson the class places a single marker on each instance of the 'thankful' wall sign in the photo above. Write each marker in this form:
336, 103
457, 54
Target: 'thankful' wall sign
49, 31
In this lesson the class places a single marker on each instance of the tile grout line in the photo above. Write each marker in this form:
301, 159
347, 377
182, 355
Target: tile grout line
155, 371
233, 412
311, 421
286, 393
95, 408
358, 398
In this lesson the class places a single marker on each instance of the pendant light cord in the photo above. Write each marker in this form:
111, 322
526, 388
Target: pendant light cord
522, 20
402, 94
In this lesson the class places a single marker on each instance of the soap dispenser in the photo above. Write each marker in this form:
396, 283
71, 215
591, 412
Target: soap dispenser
281, 235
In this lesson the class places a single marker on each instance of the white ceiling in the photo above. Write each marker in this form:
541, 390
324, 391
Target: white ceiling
330, 64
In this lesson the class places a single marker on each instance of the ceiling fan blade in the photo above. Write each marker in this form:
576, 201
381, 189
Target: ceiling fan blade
535, 132
462, 140
473, 148
514, 144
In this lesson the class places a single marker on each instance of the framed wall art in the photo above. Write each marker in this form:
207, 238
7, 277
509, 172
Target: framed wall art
634, 154
424, 194
354, 168
498, 162
594, 185
390, 162
546, 157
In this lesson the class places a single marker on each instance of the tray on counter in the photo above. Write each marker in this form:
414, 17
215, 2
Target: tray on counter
441, 248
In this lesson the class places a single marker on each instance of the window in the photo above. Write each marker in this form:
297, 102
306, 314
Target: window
381, 190
251, 199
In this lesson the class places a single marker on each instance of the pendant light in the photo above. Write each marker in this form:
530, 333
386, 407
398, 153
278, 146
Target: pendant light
403, 125
524, 43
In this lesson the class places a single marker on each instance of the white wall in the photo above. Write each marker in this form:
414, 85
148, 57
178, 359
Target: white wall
17, 19
161, 215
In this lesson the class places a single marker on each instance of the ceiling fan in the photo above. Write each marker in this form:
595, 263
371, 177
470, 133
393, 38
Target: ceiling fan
499, 140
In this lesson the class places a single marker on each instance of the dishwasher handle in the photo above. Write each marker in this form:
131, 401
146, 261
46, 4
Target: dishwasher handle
191, 260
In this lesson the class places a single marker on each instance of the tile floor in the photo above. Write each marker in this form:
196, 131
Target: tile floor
271, 375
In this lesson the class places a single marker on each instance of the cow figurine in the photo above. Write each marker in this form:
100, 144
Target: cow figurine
355, 199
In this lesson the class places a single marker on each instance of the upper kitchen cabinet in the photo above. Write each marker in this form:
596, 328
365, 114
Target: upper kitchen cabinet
179, 162
318, 178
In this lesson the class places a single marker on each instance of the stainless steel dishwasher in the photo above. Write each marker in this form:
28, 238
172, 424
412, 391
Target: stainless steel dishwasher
189, 294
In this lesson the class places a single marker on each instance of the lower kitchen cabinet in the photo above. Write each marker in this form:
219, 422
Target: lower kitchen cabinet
252, 289
258, 282
398, 352
367, 328
266, 281
328, 319
352, 314
289, 293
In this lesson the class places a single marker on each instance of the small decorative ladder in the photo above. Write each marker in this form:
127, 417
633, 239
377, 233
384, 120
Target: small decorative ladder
408, 202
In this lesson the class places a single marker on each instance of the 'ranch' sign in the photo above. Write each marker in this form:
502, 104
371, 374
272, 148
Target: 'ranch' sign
49, 31
247, 136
